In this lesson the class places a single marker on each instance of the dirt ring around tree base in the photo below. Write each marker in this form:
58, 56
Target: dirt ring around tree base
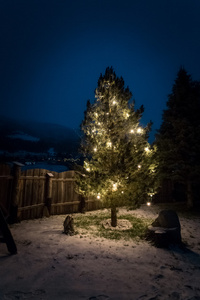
122, 224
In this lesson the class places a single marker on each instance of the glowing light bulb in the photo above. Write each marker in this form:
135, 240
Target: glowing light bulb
148, 203
147, 149
95, 149
139, 166
114, 187
131, 131
98, 196
88, 169
139, 130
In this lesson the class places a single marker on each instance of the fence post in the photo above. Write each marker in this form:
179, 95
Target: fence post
48, 195
15, 192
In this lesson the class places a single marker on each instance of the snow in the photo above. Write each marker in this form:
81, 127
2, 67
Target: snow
52, 265
23, 136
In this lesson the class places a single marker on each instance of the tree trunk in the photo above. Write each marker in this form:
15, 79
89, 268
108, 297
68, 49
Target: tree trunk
190, 203
113, 216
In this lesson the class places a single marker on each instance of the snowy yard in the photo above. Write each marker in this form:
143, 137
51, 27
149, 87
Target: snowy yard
52, 265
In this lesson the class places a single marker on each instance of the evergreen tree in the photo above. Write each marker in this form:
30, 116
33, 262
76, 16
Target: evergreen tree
178, 139
118, 159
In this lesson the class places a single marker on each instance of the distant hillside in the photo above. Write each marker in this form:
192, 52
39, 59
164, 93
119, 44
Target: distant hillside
36, 137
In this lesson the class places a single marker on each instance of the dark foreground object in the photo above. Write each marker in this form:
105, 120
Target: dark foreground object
69, 225
165, 230
7, 236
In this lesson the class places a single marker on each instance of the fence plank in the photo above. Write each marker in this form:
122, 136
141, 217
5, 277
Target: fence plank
5, 170
33, 193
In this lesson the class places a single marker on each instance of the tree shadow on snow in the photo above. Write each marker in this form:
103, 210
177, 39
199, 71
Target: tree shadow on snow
186, 254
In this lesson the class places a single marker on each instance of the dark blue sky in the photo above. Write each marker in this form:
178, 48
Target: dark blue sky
52, 53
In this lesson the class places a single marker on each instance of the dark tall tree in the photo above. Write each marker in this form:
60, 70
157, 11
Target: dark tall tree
178, 140
118, 159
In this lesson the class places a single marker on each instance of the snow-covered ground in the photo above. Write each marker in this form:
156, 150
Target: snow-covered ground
52, 265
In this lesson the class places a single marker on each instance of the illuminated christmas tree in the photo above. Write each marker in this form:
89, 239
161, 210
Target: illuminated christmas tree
118, 166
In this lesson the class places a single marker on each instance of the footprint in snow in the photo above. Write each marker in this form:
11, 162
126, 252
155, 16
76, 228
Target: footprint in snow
99, 297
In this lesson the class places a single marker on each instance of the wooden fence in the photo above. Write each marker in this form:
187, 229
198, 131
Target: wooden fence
39, 192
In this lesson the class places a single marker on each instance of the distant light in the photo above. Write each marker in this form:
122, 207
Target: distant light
148, 203
95, 149
131, 131
139, 166
147, 149
122, 192
98, 196
114, 102
88, 169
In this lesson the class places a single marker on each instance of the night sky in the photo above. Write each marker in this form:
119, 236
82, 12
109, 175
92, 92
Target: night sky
52, 53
